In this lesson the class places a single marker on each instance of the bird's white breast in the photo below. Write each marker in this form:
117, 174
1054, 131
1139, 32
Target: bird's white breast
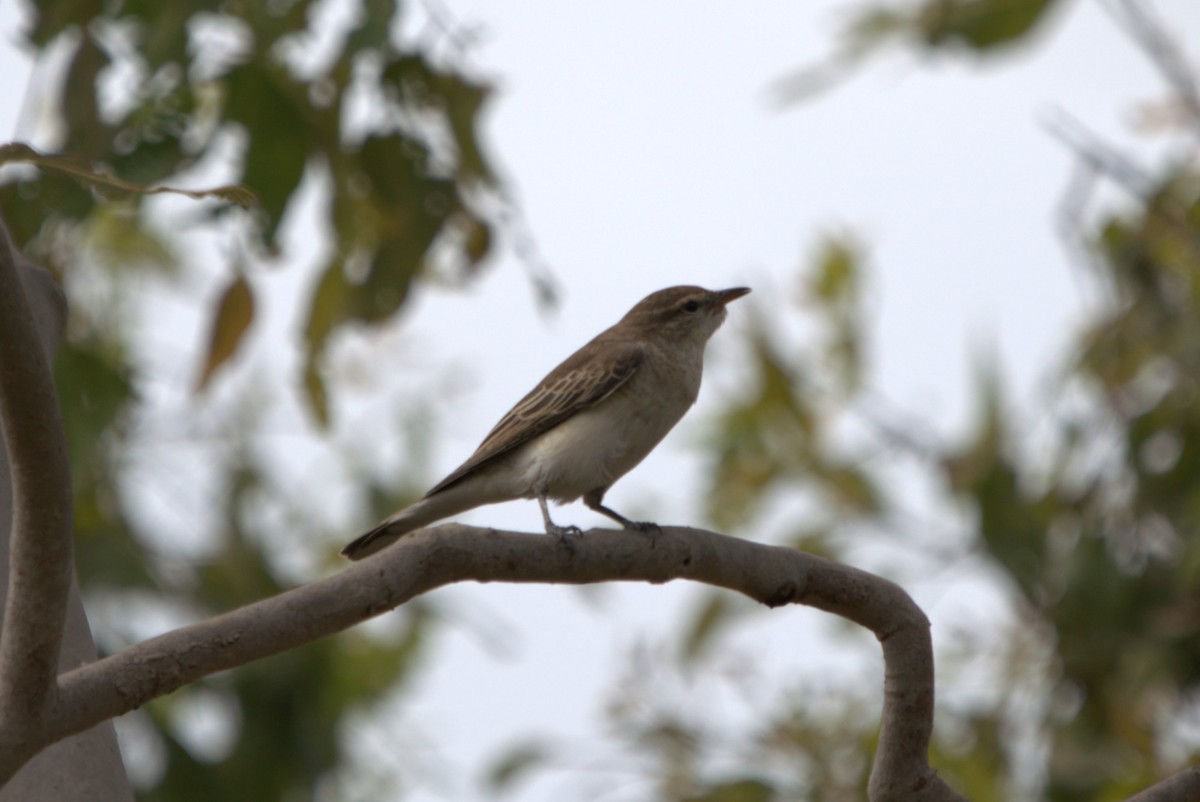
594, 448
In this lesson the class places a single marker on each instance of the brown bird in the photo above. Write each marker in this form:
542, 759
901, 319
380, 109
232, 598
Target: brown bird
587, 424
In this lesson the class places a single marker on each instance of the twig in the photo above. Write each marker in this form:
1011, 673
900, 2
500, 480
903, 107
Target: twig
1151, 35
1109, 162
1101, 158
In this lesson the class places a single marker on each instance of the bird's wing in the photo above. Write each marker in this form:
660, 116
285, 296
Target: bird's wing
586, 378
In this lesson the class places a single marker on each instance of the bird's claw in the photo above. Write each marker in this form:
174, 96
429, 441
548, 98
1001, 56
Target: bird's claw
564, 535
647, 528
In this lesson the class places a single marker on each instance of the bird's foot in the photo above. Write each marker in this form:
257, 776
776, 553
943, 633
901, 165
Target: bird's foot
647, 528
563, 531
564, 535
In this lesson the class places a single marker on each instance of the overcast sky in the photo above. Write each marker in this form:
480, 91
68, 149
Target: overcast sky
642, 142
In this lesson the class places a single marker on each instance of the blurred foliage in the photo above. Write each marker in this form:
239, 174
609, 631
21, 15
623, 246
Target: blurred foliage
781, 432
1091, 526
289, 704
981, 28
153, 98
406, 177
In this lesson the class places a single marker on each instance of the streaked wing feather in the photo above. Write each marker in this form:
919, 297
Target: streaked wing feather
583, 381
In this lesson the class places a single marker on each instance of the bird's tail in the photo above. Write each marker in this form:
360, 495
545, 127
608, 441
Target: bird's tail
443, 504
388, 531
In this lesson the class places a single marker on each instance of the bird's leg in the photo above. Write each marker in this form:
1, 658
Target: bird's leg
593, 499
561, 532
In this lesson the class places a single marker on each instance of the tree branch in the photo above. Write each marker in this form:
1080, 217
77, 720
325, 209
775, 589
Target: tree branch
40, 555
1182, 787
454, 553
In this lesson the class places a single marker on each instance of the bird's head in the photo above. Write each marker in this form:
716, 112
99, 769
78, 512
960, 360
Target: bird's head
682, 313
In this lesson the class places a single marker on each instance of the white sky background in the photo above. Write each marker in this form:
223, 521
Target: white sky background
645, 151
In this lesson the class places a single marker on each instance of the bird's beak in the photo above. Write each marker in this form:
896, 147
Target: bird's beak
725, 296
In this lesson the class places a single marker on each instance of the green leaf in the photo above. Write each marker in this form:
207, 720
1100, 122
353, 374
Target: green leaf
81, 118
745, 790
231, 320
416, 82
280, 127
477, 239
706, 623
328, 306
515, 764
396, 167
465, 103
851, 488
314, 386
835, 277
93, 389
834, 286
981, 24
52, 17
162, 28
372, 666
374, 31
393, 268
763, 438
118, 236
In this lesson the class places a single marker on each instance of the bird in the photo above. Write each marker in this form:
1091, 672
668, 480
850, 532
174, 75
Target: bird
586, 424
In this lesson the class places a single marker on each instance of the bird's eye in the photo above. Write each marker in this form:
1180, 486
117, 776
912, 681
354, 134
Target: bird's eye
691, 306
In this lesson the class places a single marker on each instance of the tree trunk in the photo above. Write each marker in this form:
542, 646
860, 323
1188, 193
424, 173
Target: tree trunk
86, 767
